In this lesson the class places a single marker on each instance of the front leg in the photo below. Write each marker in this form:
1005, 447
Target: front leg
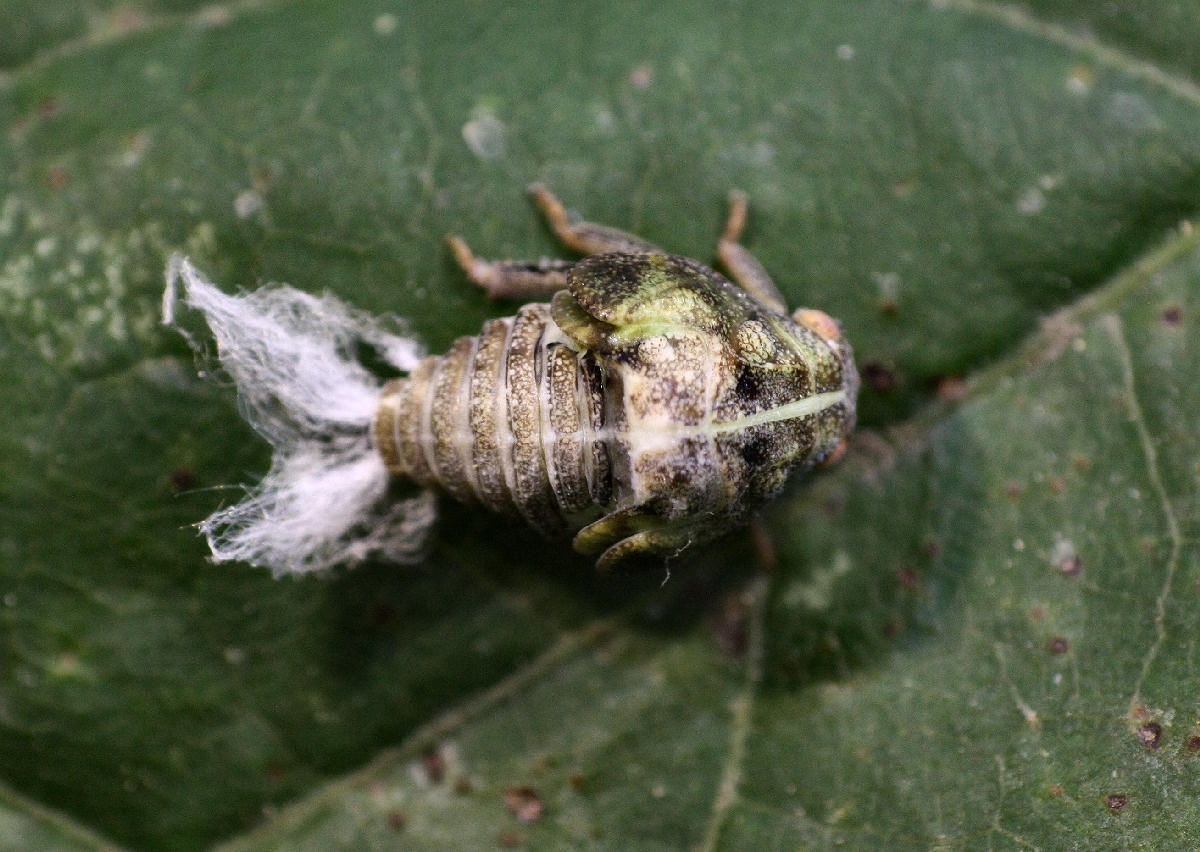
587, 237
511, 279
744, 267
521, 279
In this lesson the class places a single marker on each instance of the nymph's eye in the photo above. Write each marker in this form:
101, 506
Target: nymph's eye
820, 322
754, 343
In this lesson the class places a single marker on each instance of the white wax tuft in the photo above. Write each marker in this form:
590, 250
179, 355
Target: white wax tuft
292, 356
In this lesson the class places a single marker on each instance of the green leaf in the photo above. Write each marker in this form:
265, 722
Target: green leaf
979, 628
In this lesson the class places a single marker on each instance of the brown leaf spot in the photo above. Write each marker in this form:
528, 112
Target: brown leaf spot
1150, 735
395, 820
641, 77
730, 626
1116, 802
48, 108
1058, 484
1080, 462
952, 389
764, 547
577, 781
509, 839
463, 785
1056, 791
1193, 743
434, 764
57, 178
524, 803
182, 479
906, 578
1172, 316
1070, 566
1012, 491
1058, 645
878, 377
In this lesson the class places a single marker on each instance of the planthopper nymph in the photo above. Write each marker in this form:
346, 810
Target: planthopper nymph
650, 405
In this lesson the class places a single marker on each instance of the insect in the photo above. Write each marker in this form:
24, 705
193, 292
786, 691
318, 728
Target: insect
649, 406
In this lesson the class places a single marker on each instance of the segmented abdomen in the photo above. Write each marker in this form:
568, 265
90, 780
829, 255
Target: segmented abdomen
511, 419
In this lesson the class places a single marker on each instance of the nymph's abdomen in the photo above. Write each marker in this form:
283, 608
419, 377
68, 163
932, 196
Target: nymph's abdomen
511, 419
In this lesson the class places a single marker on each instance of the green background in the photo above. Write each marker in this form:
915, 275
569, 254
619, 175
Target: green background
979, 631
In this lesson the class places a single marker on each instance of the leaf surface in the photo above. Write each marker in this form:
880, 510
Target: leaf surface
979, 629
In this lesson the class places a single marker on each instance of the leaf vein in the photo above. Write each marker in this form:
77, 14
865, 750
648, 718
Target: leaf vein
742, 708
1112, 324
1021, 20
110, 33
